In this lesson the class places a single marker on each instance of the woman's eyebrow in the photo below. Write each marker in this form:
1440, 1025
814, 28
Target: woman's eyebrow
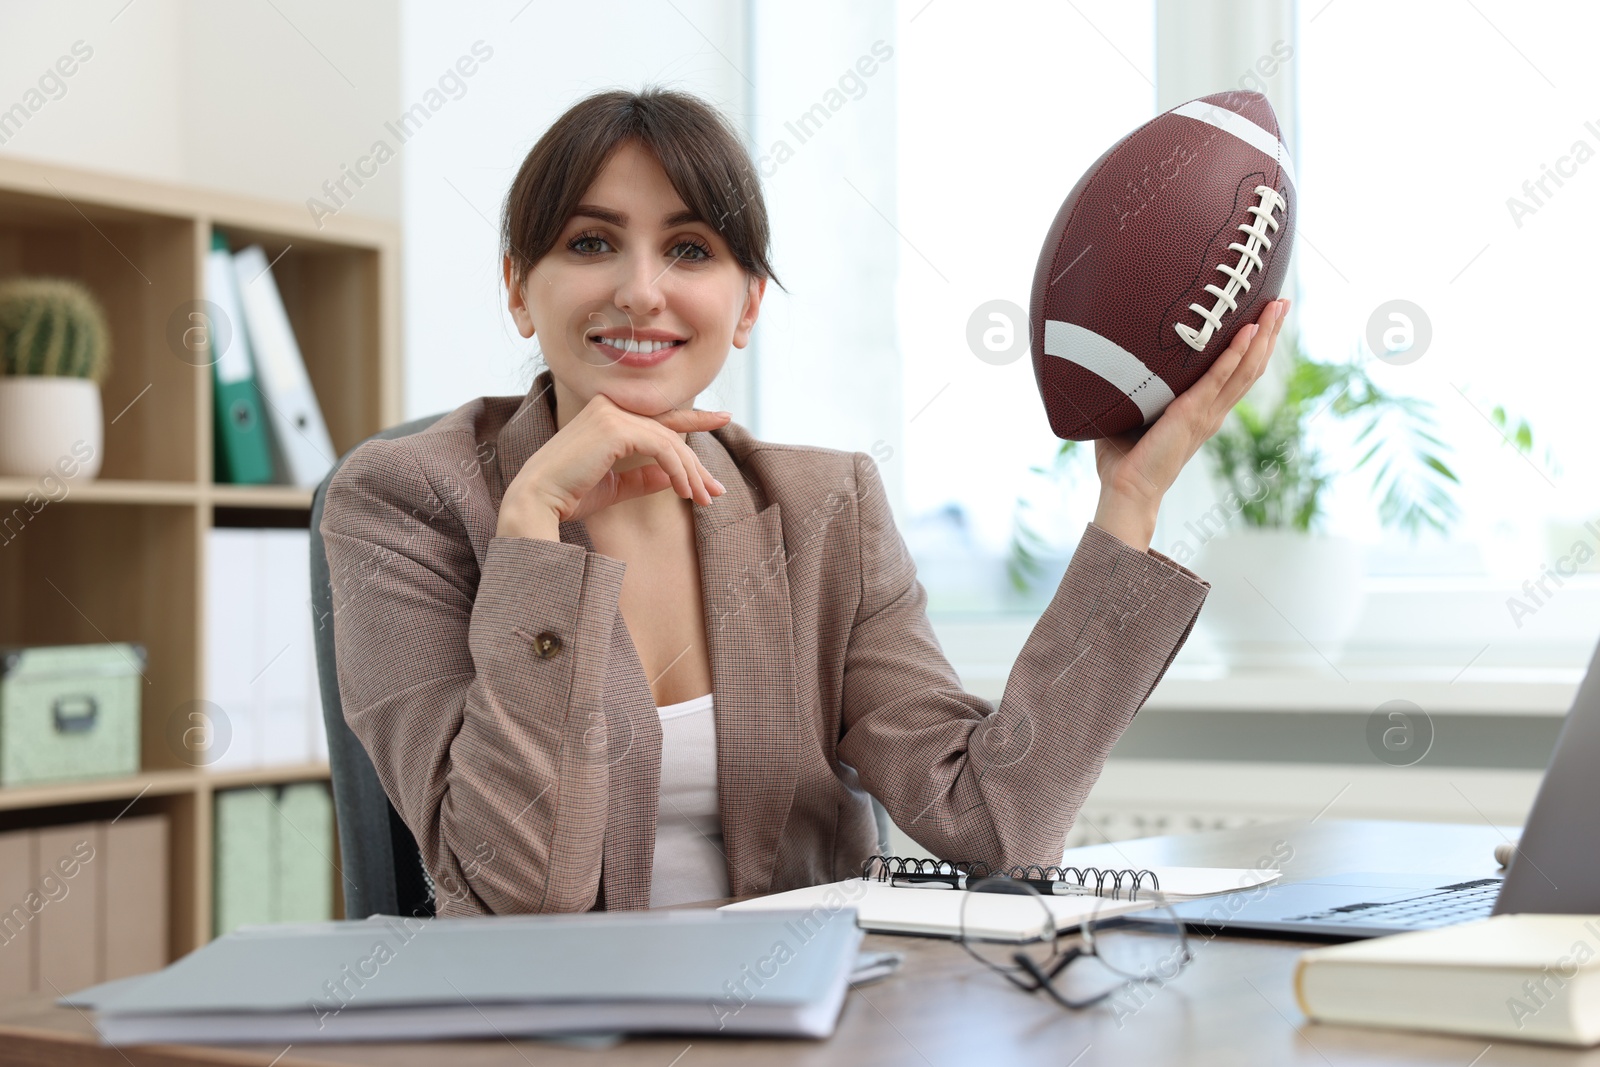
620, 218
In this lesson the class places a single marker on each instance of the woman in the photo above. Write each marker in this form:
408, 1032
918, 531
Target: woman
582, 690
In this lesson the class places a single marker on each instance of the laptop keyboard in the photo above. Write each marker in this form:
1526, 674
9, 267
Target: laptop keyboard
1444, 906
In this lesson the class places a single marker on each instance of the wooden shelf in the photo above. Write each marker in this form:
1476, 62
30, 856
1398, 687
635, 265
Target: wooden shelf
122, 557
260, 496
101, 491
133, 491
152, 784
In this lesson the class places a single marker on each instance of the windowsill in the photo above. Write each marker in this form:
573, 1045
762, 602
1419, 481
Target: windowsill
1438, 678
1436, 690
1206, 687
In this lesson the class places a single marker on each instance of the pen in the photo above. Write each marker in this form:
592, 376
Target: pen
928, 880
1060, 889
1045, 886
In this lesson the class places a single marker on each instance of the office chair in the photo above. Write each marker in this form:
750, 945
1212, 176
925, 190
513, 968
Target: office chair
381, 865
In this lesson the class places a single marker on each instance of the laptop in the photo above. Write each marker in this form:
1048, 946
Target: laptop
1553, 869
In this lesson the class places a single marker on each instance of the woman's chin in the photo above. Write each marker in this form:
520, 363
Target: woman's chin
654, 393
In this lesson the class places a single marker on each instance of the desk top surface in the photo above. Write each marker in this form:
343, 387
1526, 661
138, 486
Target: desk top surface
1234, 1005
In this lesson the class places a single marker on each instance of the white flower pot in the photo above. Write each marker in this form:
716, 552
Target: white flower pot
46, 421
1280, 598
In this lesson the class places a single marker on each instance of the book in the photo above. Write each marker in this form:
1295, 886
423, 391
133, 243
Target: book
304, 451
19, 940
225, 733
88, 902
305, 867
1522, 977
241, 453
284, 681
391, 978
72, 928
908, 895
134, 875
264, 701
243, 859
273, 856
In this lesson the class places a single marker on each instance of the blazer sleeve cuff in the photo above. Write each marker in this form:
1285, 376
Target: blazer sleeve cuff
1124, 583
532, 588
1163, 557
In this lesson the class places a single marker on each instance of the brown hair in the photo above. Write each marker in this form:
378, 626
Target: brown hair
698, 148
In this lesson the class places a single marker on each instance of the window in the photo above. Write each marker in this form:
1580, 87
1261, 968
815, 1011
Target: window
1436, 183
1459, 173
1443, 161
998, 114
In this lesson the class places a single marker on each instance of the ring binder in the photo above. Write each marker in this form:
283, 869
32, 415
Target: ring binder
919, 872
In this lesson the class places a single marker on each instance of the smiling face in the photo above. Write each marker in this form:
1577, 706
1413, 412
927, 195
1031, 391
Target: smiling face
634, 268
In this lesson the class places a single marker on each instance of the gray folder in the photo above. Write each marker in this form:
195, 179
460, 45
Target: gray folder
390, 978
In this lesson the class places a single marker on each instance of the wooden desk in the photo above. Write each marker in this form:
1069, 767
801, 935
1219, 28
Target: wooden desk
1233, 1006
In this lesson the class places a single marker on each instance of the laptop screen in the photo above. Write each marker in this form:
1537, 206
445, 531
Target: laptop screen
1556, 867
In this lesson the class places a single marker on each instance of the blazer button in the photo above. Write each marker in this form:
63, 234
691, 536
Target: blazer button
547, 644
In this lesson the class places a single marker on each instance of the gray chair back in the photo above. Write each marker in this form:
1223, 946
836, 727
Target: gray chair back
380, 864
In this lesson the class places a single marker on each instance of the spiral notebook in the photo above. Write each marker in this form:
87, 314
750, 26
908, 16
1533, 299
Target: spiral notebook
908, 895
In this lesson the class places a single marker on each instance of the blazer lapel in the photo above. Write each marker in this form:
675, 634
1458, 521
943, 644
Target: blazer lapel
749, 629
745, 596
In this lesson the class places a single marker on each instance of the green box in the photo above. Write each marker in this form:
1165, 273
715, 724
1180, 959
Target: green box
273, 855
69, 712
243, 881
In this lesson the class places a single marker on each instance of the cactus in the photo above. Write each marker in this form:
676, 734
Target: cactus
52, 327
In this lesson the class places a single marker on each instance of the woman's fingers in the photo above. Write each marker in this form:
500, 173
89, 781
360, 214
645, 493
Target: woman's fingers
657, 437
699, 477
688, 420
695, 482
640, 481
660, 445
1245, 359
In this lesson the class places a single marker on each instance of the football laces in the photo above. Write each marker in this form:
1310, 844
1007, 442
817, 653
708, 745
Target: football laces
1256, 239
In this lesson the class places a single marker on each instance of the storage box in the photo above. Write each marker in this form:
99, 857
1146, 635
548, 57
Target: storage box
273, 855
69, 712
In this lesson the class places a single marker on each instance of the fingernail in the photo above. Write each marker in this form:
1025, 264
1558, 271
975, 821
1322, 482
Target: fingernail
719, 485
723, 414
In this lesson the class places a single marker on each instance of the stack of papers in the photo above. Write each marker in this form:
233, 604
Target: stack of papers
392, 979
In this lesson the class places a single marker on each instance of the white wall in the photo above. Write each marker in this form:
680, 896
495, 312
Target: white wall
829, 365
276, 99
547, 55
261, 99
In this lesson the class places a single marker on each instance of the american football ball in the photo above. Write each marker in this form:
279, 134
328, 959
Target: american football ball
1175, 238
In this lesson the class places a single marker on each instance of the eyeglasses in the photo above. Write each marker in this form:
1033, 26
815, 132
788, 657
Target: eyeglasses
1118, 954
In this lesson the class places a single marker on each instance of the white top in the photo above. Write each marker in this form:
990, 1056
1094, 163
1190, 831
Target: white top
689, 865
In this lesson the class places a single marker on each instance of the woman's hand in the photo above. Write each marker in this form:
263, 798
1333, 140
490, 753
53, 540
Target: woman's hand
571, 477
1138, 467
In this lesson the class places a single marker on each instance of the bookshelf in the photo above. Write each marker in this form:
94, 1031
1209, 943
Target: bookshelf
120, 558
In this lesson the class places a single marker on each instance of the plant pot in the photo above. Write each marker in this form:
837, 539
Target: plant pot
45, 421
1280, 598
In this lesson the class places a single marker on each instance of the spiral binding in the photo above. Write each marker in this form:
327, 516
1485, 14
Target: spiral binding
884, 868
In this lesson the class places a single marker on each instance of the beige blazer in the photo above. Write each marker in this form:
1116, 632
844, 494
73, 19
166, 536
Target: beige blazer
497, 690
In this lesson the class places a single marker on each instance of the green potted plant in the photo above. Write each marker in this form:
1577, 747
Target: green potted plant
1283, 591
55, 350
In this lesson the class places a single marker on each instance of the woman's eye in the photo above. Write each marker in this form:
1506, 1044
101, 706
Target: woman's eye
693, 251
